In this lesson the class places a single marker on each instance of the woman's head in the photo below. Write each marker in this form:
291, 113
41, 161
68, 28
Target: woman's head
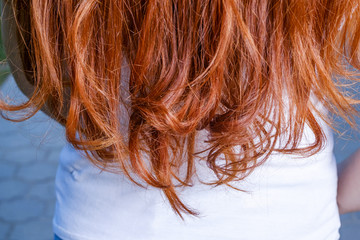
223, 65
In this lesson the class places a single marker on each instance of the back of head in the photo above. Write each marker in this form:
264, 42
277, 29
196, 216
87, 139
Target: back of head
221, 65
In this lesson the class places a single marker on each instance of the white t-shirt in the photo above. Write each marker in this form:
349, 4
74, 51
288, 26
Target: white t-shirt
288, 197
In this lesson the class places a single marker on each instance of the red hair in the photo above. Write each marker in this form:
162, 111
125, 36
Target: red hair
219, 65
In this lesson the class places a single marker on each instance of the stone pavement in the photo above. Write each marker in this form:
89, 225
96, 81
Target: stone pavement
28, 160
344, 147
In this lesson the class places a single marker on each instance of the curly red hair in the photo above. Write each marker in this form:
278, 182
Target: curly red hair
220, 65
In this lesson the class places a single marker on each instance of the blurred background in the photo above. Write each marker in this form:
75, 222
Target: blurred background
28, 160
29, 152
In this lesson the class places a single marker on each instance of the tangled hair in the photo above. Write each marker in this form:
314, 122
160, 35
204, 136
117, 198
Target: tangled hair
221, 66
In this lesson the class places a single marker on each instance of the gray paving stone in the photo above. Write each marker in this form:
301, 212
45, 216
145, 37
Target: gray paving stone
12, 188
2, 153
52, 155
12, 139
7, 170
4, 230
357, 216
35, 230
346, 218
54, 137
8, 127
50, 210
45, 191
37, 171
21, 210
22, 154
350, 231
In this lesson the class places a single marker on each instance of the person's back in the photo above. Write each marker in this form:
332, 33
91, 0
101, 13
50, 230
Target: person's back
221, 117
288, 197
